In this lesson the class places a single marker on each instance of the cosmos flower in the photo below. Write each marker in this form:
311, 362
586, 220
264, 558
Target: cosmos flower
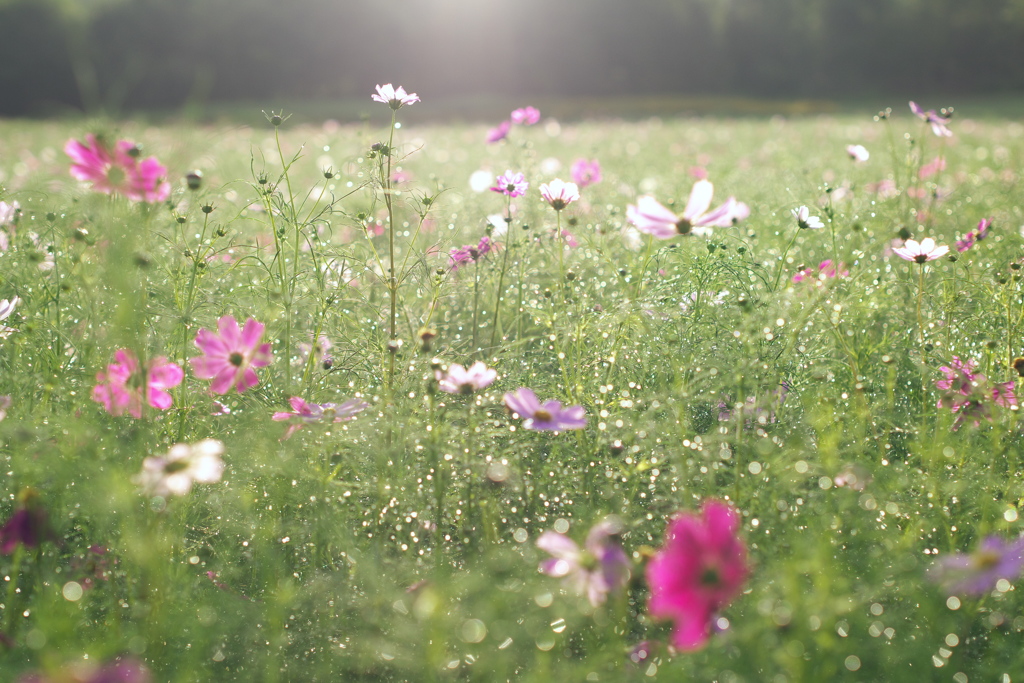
936, 121
6, 308
120, 388
184, 464
559, 194
920, 252
931, 168
805, 220
959, 376
858, 152
127, 670
548, 417
978, 573
698, 570
511, 184
396, 98
458, 380
825, 271
29, 526
470, 253
586, 172
304, 413
230, 355
599, 568
974, 236
499, 132
8, 212
654, 219
526, 116
119, 170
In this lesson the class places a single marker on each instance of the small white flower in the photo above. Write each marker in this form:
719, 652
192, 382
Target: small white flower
858, 152
184, 464
805, 220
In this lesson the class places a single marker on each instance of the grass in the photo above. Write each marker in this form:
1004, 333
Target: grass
400, 545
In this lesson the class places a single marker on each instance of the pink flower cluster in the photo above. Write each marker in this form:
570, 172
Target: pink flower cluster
974, 236
470, 253
524, 116
118, 170
969, 394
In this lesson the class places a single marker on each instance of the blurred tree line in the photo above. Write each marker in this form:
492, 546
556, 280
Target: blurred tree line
114, 55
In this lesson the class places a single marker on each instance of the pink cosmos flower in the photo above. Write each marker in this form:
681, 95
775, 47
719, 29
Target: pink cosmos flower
548, 417
585, 173
599, 568
120, 388
858, 152
396, 98
8, 212
470, 253
885, 189
920, 252
959, 376
654, 219
118, 170
559, 194
511, 184
459, 380
230, 356
974, 236
6, 308
126, 670
310, 413
184, 464
936, 121
931, 168
977, 573
701, 567
499, 132
825, 271
526, 116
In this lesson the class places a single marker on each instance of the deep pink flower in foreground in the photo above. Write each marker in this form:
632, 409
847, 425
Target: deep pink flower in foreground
652, 218
858, 152
920, 252
586, 172
28, 526
310, 413
120, 388
230, 355
936, 121
701, 567
511, 184
499, 132
978, 573
974, 236
118, 170
127, 670
550, 416
459, 380
396, 98
599, 568
526, 116
559, 194
184, 465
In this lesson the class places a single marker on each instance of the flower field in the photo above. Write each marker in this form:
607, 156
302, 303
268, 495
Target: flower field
666, 399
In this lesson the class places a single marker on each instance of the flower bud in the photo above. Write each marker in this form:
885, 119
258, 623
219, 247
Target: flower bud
207, 208
194, 179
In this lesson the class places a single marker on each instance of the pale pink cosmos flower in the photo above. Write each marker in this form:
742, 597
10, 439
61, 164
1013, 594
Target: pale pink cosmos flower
119, 170
858, 152
121, 387
459, 380
499, 132
936, 121
526, 116
6, 308
184, 464
550, 416
396, 98
652, 218
586, 172
978, 573
599, 568
511, 184
826, 270
304, 413
920, 252
559, 194
230, 355
885, 189
805, 220
699, 570
931, 168
8, 212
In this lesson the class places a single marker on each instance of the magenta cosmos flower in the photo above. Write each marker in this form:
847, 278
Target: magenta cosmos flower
458, 380
974, 236
396, 98
184, 464
511, 184
654, 219
499, 132
698, 571
310, 413
526, 116
586, 172
548, 417
559, 194
978, 572
936, 121
826, 270
599, 568
230, 355
920, 252
120, 388
119, 170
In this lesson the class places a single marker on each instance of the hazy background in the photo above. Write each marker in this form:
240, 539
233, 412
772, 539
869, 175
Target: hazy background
117, 56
